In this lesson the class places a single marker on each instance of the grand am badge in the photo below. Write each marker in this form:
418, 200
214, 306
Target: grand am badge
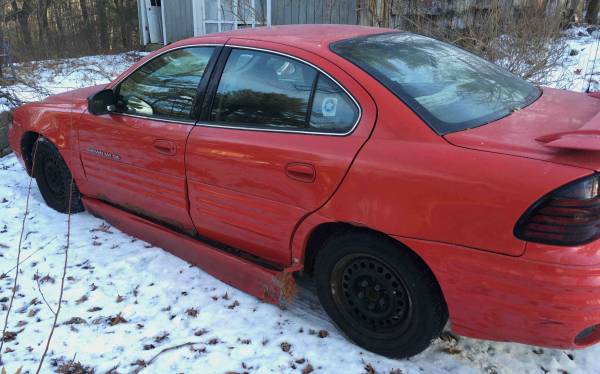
104, 154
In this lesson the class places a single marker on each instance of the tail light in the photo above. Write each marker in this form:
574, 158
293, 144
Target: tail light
567, 216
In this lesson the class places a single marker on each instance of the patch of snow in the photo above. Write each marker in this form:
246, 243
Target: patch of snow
577, 66
50, 77
126, 300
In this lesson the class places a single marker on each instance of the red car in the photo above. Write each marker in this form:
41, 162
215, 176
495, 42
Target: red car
414, 181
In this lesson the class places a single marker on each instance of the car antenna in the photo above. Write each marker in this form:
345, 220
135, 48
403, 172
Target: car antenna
593, 64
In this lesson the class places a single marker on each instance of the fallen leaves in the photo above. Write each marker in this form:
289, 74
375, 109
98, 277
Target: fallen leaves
71, 367
104, 227
118, 319
285, 346
161, 337
32, 312
369, 369
75, 321
16, 372
233, 305
192, 312
9, 336
321, 333
200, 332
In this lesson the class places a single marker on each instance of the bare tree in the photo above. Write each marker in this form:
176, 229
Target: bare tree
591, 14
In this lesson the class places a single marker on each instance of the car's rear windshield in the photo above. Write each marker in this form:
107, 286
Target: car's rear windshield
449, 88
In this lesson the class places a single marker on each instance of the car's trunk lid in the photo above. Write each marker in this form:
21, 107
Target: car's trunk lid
561, 127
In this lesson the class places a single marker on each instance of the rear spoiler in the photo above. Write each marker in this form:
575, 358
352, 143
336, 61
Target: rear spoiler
586, 138
581, 140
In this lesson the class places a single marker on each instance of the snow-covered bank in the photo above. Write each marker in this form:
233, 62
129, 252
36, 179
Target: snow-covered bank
43, 78
578, 64
125, 301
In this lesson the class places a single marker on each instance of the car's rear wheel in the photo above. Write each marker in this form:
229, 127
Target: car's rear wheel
54, 178
380, 294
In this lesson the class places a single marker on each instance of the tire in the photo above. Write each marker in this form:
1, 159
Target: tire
380, 294
54, 178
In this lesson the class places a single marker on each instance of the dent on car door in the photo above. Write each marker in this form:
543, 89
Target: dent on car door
134, 157
277, 137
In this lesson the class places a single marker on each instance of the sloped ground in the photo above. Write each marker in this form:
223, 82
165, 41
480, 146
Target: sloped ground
125, 301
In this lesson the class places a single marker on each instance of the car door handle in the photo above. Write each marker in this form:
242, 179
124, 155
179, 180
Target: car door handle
301, 172
166, 147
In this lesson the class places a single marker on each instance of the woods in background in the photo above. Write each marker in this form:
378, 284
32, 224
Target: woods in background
42, 29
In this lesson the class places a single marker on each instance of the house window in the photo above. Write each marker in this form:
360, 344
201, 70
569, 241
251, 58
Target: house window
223, 15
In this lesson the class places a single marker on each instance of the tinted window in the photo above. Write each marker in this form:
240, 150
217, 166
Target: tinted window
449, 88
332, 109
165, 87
259, 89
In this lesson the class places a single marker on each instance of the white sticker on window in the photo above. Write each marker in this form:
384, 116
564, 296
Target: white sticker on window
329, 106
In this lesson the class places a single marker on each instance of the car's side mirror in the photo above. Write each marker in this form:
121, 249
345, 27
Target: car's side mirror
102, 102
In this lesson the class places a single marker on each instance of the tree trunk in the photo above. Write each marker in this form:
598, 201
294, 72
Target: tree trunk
102, 25
84, 11
22, 15
42, 20
591, 14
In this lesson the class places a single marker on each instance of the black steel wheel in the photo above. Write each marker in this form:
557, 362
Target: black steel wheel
371, 293
54, 178
380, 294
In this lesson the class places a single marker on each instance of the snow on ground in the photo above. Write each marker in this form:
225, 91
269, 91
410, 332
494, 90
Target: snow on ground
43, 78
578, 63
125, 300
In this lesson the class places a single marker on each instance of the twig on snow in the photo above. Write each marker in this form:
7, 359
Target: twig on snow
167, 350
37, 279
62, 282
15, 283
27, 258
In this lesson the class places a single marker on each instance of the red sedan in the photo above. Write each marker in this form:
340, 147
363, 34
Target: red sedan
414, 181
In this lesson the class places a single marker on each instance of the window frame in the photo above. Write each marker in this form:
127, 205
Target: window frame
214, 84
200, 89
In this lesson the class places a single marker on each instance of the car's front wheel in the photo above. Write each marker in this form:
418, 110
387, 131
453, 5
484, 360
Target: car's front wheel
380, 294
54, 178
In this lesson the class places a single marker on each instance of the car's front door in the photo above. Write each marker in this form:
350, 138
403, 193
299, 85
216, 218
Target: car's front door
276, 139
134, 157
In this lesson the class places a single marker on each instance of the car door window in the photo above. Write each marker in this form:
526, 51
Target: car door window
166, 86
259, 89
332, 109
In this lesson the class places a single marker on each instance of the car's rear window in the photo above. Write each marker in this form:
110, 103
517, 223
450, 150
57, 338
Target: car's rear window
449, 88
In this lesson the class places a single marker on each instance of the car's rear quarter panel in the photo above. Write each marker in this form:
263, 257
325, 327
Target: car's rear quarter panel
438, 192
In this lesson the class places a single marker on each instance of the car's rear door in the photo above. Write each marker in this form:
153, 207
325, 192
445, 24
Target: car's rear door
276, 138
134, 157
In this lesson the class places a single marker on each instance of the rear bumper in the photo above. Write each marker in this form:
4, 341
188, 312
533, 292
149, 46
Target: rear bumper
498, 297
